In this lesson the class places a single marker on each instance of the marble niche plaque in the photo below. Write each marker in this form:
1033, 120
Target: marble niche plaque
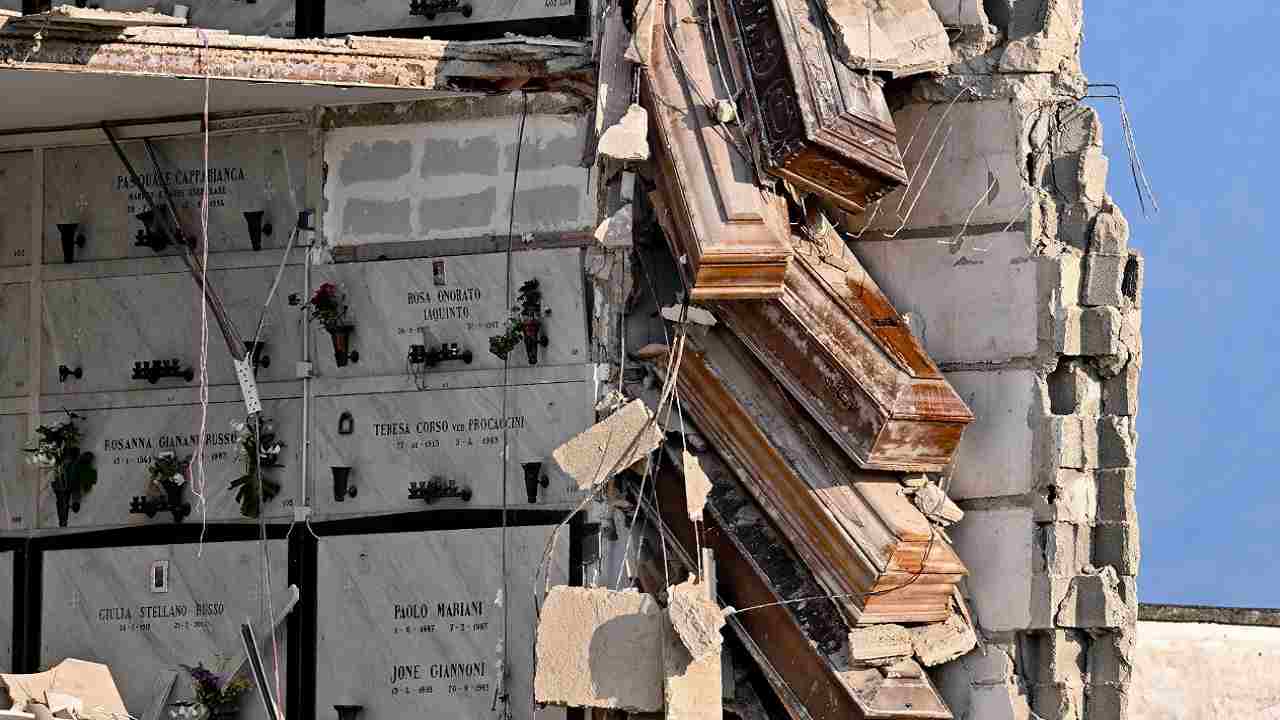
15, 216
263, 17
461, 299
16, 477
145, 609
410, 625
105, 325
249, 172
6, 611
124, 439
15, 365
454, 437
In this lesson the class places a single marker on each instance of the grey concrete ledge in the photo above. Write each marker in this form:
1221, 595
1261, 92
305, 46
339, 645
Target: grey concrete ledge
1266, 617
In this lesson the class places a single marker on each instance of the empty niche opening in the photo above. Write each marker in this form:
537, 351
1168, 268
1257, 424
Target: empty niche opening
1129, 285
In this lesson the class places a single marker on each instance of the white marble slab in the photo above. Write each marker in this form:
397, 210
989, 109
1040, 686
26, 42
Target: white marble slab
408, 625
260, 17
348, 16
456, 435
15, 215
461, 299
122, 440
15, 340
105, 325
6, 611
16, 477
90, 186
99, 605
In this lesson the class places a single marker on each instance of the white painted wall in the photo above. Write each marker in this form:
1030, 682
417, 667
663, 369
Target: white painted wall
1198, 671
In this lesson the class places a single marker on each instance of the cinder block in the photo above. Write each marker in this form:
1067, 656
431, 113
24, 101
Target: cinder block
1104, 279
990, 664
1094, 601
1073, 391
1116, 495
1117, 447
997, 546
1047, 593
1107, 701
1117, 544
1111, 657
1100, 331
1110, 232
1075, 223
1120, 393
1061, 657
1064, 549
1060, 701
996, 455
1068, 329
1068, 441
1070, 496
960, 12
998, 702
1092, 179
975, 306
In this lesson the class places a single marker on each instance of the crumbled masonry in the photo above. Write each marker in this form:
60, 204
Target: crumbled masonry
628, 140
943, 642
696, 485
696, 618
880, 644
617, 442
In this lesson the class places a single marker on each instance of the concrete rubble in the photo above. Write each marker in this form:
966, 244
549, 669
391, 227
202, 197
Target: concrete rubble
934, 503
880, 644
696, 618
628, 140
609, 446
943, 642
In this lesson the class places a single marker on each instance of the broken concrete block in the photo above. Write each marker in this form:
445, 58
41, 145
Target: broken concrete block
1120, 393
1104, 279
696, 315
628, 140
904, 37
1073, 391
1068, 330
943, 642
1060, 701
1093, 601
1070, 496
91, 682
1116, 495
905, 669
1110, 234
605, 448
694, 688
696, 485
599, 648
1062, 657
696, 618
1116, 545
934, 503
1116, 442
879, 644
1100, 331
1111, 657
615, 231
1066, 549
1092, 178
915, 481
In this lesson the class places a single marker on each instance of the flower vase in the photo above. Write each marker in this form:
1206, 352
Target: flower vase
341, 336
532, 331
174, 495
62, 495
71, 237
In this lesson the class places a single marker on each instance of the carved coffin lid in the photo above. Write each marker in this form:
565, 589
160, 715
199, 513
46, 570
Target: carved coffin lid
837, 344
819, 124
730, 232
857, 533
801, 646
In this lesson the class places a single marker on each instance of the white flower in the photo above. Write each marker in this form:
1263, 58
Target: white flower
178, 479
237, 426
274, 449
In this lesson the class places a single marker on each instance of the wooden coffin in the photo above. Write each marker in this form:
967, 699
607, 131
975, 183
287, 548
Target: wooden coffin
859, 535
837, 344
730, 234
817, 123
801, 647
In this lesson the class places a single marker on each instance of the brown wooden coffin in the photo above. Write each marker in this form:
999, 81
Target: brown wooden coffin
817, 123
837, 344
855, 530
730, 234
801, 647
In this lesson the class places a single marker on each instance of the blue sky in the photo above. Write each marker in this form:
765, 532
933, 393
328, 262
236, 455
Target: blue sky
1201, 89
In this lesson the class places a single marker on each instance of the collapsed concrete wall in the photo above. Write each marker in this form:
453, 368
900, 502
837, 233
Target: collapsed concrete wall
1013, 265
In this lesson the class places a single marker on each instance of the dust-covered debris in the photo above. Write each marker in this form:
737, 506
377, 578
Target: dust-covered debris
615, 231
879, 644
1093, 601
943, 642
599, 648
617, 442
696, 485
628, 140
696, 618
934, 503
903, 37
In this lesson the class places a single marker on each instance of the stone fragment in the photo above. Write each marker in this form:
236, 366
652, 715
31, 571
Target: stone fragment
903, 669
1093, 601
943, 642
618, 441
696, 315
641, 45
879, 644
1104, 279
934, 503
1110, 232
599, 648
903, 37
1117, 446
696, 618
694, 688
1116, 544
615, 231
1073, 391
915, 481
628, 140
696, 485
1116, 495
1100, 331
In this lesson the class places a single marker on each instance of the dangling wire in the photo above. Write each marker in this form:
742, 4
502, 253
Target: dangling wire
199, 483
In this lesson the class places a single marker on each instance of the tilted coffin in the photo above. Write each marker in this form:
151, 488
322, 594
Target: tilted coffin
817, 123
837, 344
860, 536
729, 233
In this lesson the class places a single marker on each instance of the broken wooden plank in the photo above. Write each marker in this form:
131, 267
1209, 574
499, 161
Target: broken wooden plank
863, 540
802, 647
816, 123
841, 349
728, 233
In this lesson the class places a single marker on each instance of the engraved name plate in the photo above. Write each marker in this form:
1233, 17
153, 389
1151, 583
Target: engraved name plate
15, 220
462, 300
124, 439
15, 478
411, 625
15, 366
452, 437
143, 610
248, 172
